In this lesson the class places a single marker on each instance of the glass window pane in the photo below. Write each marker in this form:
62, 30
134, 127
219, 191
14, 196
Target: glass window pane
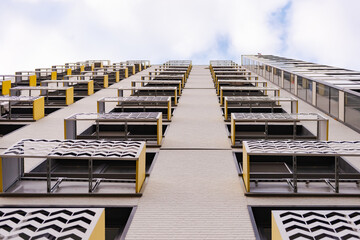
302, 86
292, 83
261, 69
268, 72
287, 79
322, 97
334, 102
277, 76
309, 91
352, 110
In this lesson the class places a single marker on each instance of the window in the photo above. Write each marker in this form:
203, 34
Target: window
323, 97
302, 87
279, 74
352, 110
292, 83
260, 70
309, 91
287, 80
334, 102
268, 70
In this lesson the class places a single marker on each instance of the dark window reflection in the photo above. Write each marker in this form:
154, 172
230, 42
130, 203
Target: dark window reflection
334, 102
287, 80
322, 97
352, 110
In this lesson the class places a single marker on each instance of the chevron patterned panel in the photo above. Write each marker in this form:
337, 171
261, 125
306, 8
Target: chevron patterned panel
258, 99
75, 148
138, 99
18, 98
250, 88
52, 223
116, 116
315, 225
277, 116
289, 147
151, 88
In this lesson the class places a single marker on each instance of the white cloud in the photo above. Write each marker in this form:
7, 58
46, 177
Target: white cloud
325, 31
54, 32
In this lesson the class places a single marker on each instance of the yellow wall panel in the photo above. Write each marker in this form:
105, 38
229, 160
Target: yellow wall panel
106, 81
117, 76
32, 80
169, 111
246, 169
39, 108
159, 130
140, 170
275, 233
99, 230
232, 131
6, 85
65, 137
226, 110
69, 96
53, 75
91, 87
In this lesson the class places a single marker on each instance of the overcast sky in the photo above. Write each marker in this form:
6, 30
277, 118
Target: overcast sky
41, 33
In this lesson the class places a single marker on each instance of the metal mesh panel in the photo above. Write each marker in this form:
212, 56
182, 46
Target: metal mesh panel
250, 88
18, 98
48, 223
333, 148
66, 81
258, 99
179, 76
276, 116
139, 99
179, 62
40, 88
318, 224
100, 149
222, 63
148, 88
116, 116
